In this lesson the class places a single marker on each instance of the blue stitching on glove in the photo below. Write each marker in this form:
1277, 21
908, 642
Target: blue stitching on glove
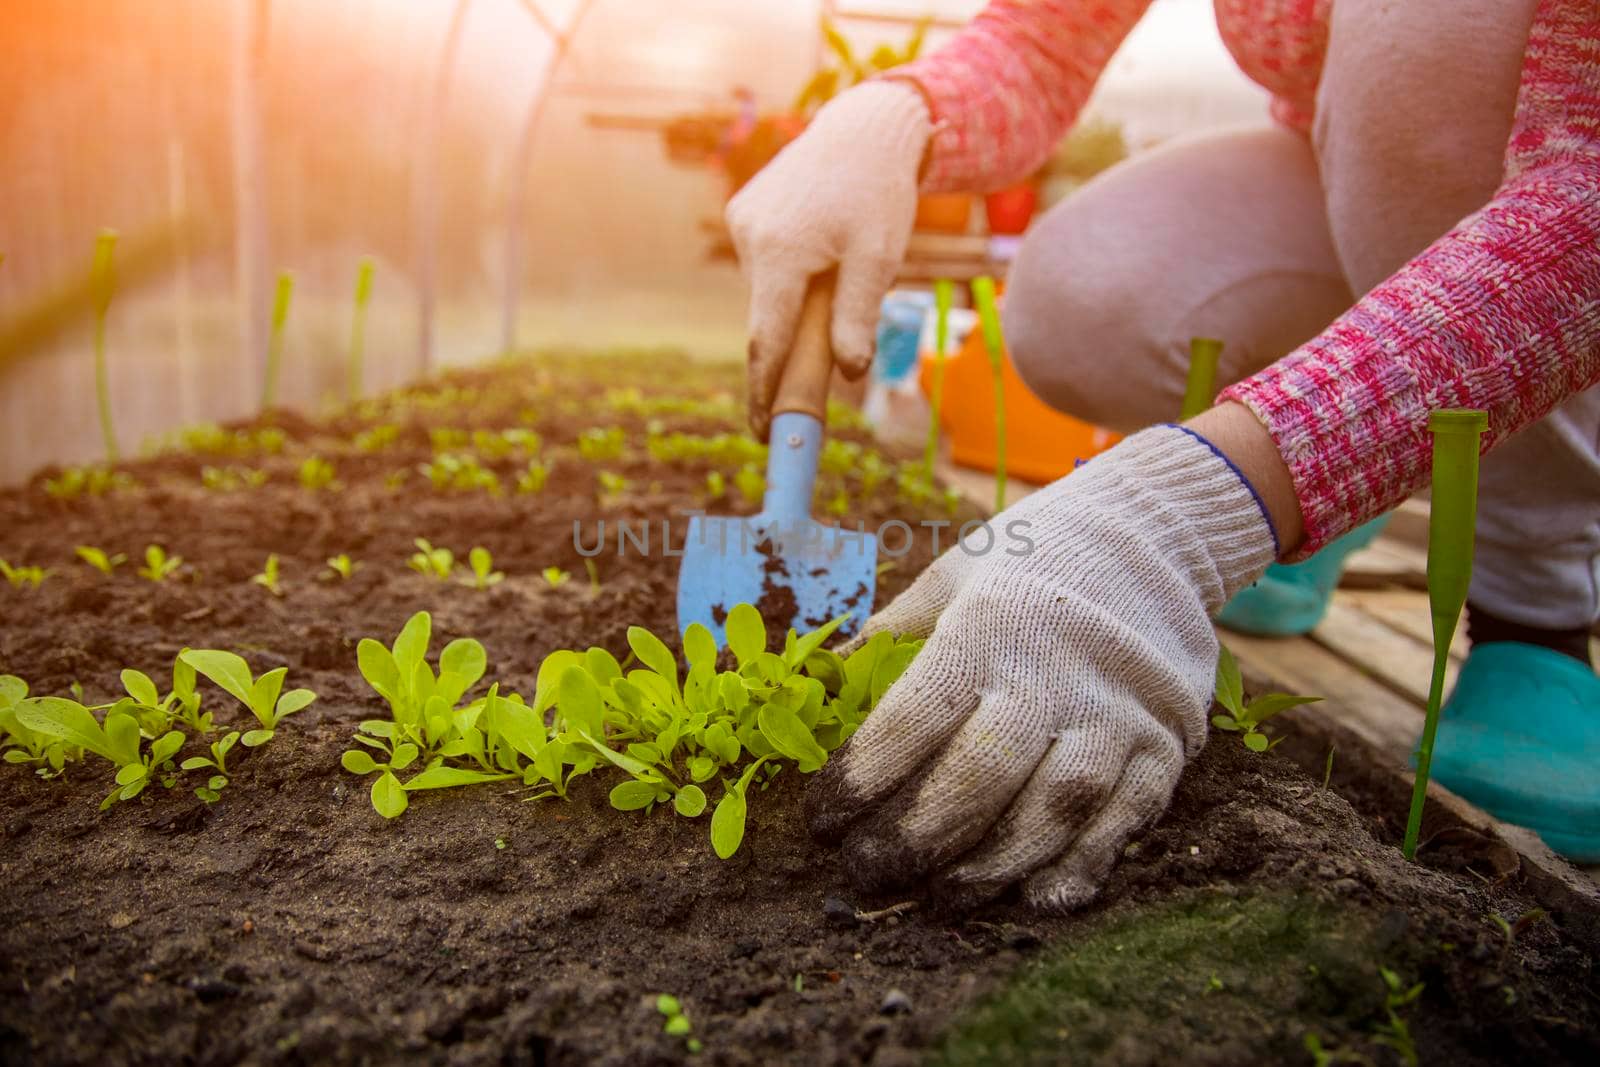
1277, 546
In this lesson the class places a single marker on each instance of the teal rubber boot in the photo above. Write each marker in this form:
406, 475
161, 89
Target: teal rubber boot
1520, 738
1291, 598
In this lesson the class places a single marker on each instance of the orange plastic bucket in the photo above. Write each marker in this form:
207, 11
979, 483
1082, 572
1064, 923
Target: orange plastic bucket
1042, 444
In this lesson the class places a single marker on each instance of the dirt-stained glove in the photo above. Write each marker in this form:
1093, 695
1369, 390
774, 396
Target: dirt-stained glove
1061, 690
843, 194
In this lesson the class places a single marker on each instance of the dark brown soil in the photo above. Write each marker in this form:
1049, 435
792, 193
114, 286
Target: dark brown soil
289, 923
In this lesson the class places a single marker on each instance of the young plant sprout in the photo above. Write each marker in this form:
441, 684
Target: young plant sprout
1452, 514
677, 1021
532, 480
358, 329
431, 562
602, 445
158, 566
280, 318
91, 481
264, 696
211, 792
268, 578
613, 486
342, 566
994, 345
376, 438
316, 474
594, 577
1246, 719
943, 291
751, 483
394, 480
116, 740
483, 573
716, 485
556, 577
103, 284
23, 577
48, 754
665, 734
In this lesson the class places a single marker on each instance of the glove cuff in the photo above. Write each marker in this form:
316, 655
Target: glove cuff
880, 116
1198, 487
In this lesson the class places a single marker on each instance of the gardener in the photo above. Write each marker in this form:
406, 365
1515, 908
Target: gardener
1419, 230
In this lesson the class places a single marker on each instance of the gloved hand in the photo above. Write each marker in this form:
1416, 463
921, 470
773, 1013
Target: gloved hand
1061, 691
843, 194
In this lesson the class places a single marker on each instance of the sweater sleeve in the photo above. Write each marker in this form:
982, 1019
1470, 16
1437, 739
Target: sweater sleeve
1004, 90
1502, 313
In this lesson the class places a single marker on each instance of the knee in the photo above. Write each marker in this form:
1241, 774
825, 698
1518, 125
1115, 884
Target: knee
1069, 329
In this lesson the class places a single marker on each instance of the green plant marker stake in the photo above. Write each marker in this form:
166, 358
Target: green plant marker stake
942, 293
103, 282
1452, 514
358, 328
994, 344
280, 316
1202, 386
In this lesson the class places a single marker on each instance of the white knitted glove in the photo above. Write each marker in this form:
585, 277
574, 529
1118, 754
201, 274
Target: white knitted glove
843, 194
1061, 691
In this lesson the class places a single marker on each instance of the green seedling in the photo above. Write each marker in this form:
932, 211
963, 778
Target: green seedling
231, 479
556, 577
532, 480
1246, 719
838, 505
602, 445
116, 740
1395, 1033
676, 1021
211, 792
87, 481
716, 485
1201, 387
613, 486
48, 754
483, 573
664, 734
264, 696
430, 562
317, 474
23, 577
447, 438
461, 472
593, 569
994, 345
103, 284
342, 566
376, 438
394, 481
358, 329
280, 319
1452, 515
751, 483
158, 566
268, 578
943, 291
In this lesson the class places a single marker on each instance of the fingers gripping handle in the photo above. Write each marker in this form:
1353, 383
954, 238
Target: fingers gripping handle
804, 385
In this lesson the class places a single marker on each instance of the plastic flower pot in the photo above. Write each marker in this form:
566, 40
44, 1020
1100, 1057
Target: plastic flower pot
944, 212
1010, 210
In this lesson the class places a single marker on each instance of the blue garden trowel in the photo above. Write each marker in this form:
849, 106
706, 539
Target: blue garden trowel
798, 572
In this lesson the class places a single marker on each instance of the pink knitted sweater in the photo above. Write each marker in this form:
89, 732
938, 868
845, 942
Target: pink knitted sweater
1501, 313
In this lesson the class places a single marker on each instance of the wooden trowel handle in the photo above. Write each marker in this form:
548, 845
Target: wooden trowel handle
804, 385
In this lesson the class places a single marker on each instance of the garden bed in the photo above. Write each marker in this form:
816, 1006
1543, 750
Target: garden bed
289, 923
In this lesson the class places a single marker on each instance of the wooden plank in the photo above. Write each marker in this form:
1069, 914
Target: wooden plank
1386, 563
1396, 659
1404, 610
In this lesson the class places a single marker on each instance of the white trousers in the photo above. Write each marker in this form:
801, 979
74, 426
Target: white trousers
1261, 237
